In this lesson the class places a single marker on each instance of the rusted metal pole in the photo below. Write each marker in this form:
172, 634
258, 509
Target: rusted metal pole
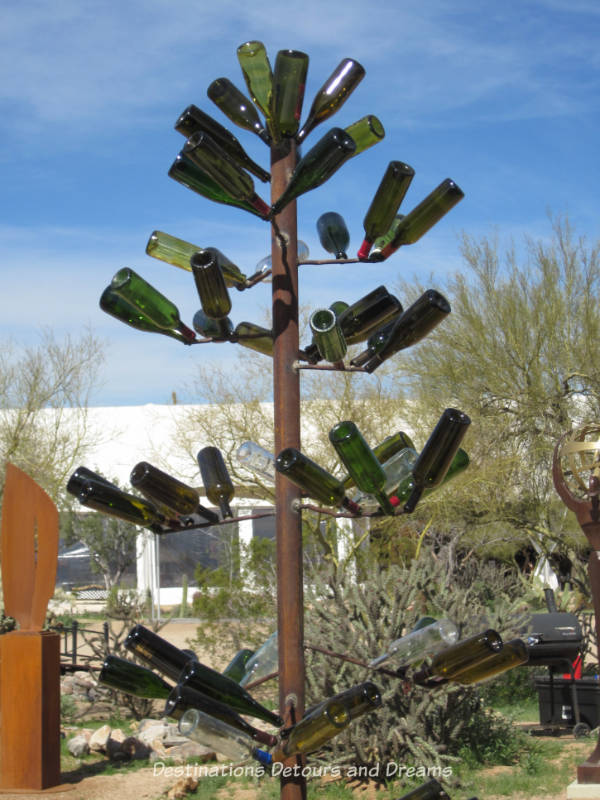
286, 400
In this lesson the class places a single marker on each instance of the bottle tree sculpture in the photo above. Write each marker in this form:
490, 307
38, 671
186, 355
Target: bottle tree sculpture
214, 164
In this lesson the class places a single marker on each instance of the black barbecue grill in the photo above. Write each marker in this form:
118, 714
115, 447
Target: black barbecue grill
555, 640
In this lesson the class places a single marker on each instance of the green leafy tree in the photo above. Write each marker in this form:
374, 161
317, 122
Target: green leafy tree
517, 354
39, 386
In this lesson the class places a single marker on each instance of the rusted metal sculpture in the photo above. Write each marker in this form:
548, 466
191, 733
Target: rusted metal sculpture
29, 657
582, 456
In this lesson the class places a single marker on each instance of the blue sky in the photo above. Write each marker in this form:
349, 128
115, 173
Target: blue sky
501, 97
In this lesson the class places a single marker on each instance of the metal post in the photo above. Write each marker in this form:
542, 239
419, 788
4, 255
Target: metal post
286, 400
74, 627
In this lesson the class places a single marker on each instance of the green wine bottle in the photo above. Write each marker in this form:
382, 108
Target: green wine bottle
160, 487
464, 655
217, 329
432, 790
328, 719
289, 82
216, 734
210, 284
254, 337
119, 504
257, 73
189, 175
114, 305
193, 120
327, 335
363, 317
333, 234
183, 698
111, 303
130, 678
365, 132
211, 683
423, 217
317, 166
414, 324
237, 107
237, 666
437, 455
216, 480
313, 479
133, 289
223, 170
385, 450
459, 464
513, 654
360, 461
179, 252
332, 95
385, 204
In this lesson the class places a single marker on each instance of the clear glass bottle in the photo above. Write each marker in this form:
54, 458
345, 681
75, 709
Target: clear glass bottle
418, 644
214, 733
258, 460
263, 662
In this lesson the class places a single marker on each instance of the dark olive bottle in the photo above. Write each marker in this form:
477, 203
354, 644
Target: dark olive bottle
459, 464
211, 286
313, 479
409, 328
83, 474
236, 668
179, 252
360, 461
464, 655
160, 487
363, 317
217, 329
289, 83
513, 654
385, 204
206, 154
211, 683
317, 166
382, 241
116, 503
125, 676
184, 171
432, 790
216, 480
258, 74
182, 697
365, 132
333, 234
435, 458
385, 450
255, 337
327, 719
156, 651
423, 217
332, 95
327, 335
193, 120
237, 107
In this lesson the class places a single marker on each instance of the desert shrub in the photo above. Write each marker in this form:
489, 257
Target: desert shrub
414, 726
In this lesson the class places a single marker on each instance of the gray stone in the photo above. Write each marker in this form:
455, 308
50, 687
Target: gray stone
78, 746
99, 739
